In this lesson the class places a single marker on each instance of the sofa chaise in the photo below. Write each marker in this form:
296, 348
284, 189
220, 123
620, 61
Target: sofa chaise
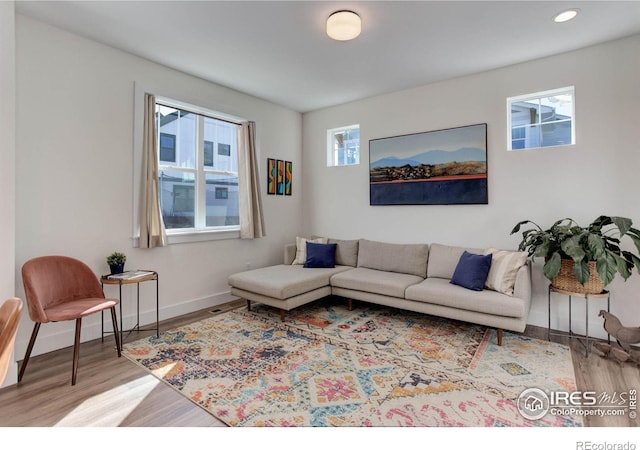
415, 277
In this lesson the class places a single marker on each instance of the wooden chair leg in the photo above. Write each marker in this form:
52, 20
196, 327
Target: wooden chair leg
500, 336
76, 351
115, 331
248, 305
32, 341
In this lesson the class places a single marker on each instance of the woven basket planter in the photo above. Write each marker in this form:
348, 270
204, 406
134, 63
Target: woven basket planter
566, 281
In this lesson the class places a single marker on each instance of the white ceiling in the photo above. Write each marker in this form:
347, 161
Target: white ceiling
279, 50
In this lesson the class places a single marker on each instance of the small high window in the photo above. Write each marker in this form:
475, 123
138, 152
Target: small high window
343, 146
542, 119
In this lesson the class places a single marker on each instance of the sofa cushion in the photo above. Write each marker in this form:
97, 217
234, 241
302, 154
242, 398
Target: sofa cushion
443, 259
375, 281
283, 281
440, 291
504, 268
320, 255
472, 270
400, 258
346, 252
301, 248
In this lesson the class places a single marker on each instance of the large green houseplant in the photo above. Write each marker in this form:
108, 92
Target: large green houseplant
597, 243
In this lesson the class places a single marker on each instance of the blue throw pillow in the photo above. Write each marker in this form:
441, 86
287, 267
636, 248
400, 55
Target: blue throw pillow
320, 255
472, 271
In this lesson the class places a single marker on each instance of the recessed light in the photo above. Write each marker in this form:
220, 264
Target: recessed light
565, 16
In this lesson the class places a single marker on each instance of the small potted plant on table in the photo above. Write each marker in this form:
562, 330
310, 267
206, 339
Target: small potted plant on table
116, 262
582, 259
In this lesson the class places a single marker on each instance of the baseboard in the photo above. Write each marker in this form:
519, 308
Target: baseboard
561, 323
92, 327
193, 305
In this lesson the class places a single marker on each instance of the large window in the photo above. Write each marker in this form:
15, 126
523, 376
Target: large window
198, 186
542, 119
343, 146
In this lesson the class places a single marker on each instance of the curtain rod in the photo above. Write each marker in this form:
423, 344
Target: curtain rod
195, 112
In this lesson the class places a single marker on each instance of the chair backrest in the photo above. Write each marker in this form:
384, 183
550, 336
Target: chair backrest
9, 319
52, 280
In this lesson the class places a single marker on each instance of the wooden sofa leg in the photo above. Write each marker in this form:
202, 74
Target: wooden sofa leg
350, 304
248, 305
500, 336
283, 314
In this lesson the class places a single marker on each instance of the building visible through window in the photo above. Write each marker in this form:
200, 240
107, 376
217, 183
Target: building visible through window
343, 146
198, 186
167, 147
224, 149
542, 119
222, 193
208, 153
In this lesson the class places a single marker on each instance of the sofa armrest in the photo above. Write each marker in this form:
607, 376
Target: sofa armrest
522, 288
289, 253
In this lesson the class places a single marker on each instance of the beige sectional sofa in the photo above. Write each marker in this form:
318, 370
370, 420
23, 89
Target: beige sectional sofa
414, 277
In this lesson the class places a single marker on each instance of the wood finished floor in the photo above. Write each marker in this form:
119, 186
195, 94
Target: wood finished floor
113, 391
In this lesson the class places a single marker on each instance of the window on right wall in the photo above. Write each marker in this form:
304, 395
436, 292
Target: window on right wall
541, 119
343, 146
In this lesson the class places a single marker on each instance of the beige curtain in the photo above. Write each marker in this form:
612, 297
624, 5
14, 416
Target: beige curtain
152, 232
251, 217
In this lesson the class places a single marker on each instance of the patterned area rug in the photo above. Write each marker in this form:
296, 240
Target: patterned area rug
373, 366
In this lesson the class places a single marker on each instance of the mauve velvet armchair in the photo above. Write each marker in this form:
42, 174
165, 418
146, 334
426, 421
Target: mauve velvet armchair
9, 318
59, 288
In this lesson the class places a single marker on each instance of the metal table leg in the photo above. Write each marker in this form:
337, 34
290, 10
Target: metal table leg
157, 307
121, 332
586, 324
570, 320
549, 313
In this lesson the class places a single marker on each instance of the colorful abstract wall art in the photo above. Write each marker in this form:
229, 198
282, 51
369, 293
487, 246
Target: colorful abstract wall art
280, 178
271, 176
288, 177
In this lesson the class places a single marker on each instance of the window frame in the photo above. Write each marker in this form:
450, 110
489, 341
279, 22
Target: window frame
332, 160
568, 90
200, 172
181, 100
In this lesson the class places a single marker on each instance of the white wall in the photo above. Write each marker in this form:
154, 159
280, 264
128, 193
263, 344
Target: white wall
74, 190
596, 176
7, 159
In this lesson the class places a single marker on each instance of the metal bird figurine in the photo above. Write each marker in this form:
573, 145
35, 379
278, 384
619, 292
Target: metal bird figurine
625, 336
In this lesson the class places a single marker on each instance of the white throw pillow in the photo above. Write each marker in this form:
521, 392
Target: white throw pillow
301, 248
504, 268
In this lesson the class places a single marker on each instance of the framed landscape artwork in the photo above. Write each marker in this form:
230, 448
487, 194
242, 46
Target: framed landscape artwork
443, 167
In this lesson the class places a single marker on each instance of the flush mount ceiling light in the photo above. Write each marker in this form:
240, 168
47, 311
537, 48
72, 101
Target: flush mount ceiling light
344, 25
565, 16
